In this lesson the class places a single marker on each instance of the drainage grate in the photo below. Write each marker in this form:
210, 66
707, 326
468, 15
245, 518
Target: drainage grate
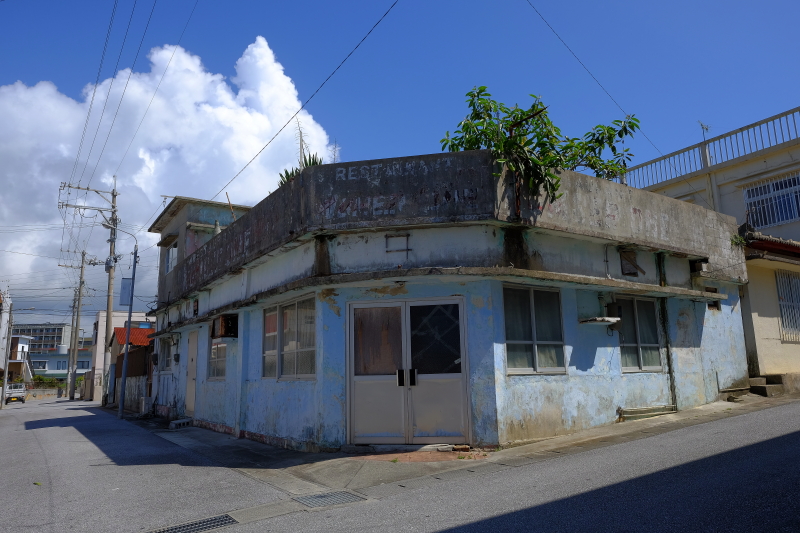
331, 498
200, 525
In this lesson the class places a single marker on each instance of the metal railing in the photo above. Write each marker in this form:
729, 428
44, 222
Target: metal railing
774, 201
760, 135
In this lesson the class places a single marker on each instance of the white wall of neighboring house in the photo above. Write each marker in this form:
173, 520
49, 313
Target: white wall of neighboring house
752, 174
118, 320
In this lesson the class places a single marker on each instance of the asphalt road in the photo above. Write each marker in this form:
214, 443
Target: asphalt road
735, 474
68, 468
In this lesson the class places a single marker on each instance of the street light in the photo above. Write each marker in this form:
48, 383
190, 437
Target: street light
8, 348
121, 411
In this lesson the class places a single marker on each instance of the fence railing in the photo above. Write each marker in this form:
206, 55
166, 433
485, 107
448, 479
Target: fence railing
766, 133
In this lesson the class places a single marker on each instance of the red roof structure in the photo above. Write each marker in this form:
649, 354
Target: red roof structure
139, 336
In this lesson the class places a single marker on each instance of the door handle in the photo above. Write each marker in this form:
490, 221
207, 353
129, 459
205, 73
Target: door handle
401, 377
412, 377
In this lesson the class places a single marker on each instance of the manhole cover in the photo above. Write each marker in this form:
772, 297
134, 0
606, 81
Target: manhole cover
331, 498
200, 525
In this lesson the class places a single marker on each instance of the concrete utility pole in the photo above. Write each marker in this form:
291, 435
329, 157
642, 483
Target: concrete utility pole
7, 350
73, 359
111, 223
128, 333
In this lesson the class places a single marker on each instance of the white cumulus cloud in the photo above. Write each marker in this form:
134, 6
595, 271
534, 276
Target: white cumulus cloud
199, 131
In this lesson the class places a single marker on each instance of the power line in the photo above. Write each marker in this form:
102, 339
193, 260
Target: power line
605, 90
86, 123
157, 87
309, 98
34, 255
124, 90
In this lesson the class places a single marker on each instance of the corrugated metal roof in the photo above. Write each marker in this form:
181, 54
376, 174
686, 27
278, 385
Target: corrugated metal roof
139, 336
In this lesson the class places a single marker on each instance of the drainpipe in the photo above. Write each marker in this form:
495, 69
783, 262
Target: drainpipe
662, 302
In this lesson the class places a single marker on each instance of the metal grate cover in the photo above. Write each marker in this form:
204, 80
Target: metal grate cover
205, 524
331, 498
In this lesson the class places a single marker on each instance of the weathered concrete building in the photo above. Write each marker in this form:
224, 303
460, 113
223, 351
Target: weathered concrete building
418, 300
752, 174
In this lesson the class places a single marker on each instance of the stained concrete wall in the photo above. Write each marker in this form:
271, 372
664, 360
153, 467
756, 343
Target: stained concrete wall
448, 211
448, 189
312, 414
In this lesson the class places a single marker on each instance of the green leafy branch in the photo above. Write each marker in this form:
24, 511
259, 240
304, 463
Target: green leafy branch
526, 143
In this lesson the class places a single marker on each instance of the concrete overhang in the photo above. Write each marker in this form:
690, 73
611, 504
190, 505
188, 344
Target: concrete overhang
168, 240
179, 202
505, 274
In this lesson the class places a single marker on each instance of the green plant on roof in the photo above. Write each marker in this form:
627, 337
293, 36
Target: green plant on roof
309, 160
526, 143
738, 240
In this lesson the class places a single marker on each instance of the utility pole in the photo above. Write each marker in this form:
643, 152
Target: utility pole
111, 223
73, 359
7, 351
127, 336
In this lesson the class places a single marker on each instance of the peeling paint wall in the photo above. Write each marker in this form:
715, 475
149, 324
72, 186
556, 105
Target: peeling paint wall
594, 386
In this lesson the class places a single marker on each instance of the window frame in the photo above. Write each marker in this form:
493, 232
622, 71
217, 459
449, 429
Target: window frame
165, 359
536, 370
170, 257
214, 360
641, 368
787, 285
278, 352
33, 364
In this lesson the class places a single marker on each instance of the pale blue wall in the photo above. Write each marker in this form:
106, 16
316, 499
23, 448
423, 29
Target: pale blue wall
504, 408
594, 386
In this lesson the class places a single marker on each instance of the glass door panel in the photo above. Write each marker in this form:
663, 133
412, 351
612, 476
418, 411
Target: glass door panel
378, 397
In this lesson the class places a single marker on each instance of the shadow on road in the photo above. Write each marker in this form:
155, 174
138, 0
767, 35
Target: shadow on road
125, 444
753, 488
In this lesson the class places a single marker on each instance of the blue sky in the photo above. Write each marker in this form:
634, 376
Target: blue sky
727, 63
671, 63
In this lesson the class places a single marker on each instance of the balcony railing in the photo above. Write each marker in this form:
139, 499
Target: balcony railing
764, 134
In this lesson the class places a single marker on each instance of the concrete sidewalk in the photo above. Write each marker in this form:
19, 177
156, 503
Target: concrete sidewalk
378, 475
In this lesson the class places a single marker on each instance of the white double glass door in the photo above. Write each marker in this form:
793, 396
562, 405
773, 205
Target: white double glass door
407, 373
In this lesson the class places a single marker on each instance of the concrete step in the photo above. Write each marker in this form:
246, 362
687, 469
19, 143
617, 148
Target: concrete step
180, 423
758, 381
774, 379
637, 413
767, 390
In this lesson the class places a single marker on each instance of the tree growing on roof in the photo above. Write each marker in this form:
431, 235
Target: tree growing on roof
528, 144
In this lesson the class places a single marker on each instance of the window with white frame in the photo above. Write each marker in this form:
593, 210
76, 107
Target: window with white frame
61, 365
773, 202
270, 364
789, 300
216, 360
171, 257
638, 334
39, 365
534, 335
165, 353
289, 344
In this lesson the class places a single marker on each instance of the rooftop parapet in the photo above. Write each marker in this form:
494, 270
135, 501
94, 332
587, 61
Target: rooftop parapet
451, 189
